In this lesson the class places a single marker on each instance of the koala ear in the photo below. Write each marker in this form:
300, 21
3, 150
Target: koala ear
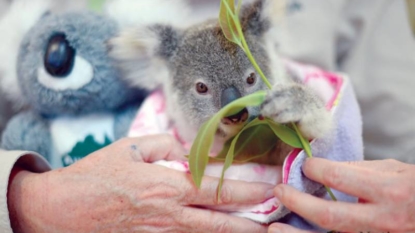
148, 39
143, 53
258, 17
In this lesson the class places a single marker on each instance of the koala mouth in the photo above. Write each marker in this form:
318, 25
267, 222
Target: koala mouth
236, 119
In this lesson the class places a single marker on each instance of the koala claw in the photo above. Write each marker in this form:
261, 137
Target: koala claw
296, 103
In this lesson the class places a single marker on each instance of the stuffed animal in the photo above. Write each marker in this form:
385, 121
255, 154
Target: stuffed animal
58, 67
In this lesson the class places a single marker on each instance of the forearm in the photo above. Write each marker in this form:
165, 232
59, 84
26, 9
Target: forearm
10, 163
21, 200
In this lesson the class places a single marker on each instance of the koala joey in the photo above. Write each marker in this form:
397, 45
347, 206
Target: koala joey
200, 72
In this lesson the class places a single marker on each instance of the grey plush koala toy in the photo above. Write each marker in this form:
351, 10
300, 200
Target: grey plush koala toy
202, 72
76, 100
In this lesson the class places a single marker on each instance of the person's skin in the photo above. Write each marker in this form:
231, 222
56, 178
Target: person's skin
386, 190
117, 190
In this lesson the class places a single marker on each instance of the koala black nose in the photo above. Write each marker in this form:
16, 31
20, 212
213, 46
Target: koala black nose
229, 95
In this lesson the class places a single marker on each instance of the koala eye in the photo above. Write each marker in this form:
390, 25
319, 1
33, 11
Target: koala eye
251, 79
59, 57
201, 88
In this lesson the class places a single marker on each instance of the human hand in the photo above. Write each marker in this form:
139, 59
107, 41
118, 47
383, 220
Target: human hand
117, 190
386, 191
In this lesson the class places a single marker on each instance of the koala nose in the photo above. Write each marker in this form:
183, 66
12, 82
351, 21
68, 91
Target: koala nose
229, 95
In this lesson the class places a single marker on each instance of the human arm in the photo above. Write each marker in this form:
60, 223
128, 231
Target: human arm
117, 189
8, 160
386, 190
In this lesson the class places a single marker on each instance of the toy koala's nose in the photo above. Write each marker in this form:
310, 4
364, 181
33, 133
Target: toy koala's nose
229, 95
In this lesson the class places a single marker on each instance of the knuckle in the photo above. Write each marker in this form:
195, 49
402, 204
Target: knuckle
326, 218
225, 196
332, 177
398, 193
124, 142
223, 227
395, 222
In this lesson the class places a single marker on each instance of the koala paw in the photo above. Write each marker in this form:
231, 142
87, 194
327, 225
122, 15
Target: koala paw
296, 103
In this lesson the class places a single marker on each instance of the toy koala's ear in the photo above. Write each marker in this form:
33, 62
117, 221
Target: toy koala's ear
143, 52
258, 17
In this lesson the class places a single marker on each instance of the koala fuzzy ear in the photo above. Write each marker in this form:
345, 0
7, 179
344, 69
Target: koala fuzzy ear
20, 18
258, 17
148, 37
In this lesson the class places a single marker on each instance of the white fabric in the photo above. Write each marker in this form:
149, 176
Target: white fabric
8, 159
67, 132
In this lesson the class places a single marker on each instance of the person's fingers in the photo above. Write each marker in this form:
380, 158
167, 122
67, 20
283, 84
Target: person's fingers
345, 217
204, 220
233, 192
354, 180
282, 228
151, 148
381, 166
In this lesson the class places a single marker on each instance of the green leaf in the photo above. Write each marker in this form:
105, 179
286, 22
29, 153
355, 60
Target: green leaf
227, 16
286, 134
199, 153
255, 124
255, 138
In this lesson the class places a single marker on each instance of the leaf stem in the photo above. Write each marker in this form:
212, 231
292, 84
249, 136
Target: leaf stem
307, 150
254, 63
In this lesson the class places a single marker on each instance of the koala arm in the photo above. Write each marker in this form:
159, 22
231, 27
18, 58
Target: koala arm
27, 131
123, 120
293, 102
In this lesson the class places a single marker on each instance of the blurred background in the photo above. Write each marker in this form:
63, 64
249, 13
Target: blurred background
372, 41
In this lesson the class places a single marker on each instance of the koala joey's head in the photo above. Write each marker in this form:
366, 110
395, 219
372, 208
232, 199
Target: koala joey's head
63, 66
205, 71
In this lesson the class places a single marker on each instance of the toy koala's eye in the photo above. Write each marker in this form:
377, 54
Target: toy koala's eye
201, 88
59, 57
251, 79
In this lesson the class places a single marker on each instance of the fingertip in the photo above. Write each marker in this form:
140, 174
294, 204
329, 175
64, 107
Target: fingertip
312, 164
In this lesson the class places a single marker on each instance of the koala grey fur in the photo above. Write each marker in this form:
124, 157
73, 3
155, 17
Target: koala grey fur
202, 54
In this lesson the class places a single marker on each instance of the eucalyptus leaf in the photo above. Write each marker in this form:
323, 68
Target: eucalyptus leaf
199, 153
227, 22
253, 138
231, 152
286, 134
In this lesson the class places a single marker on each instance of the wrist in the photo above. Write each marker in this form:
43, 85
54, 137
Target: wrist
22, 200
